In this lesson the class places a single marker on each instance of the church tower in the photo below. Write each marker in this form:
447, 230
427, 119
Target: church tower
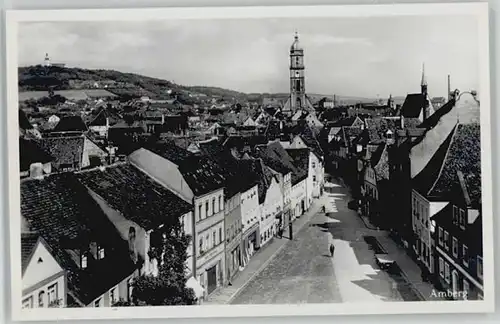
297, 77
423, 83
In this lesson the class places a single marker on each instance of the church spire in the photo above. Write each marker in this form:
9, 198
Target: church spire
423, 83
424, 79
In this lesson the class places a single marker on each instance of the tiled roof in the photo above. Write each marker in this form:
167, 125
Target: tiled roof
273, 129
276, 157
137, 196
65, 150
28, 243
424, 180
100, 119
301, 162
70, 124
170, 151
234, 179
210, 147
380, 162
349, 134
413, 105
262, 175
309, 137
464, 155
31, 152
202, 173
60, 210
239, 142
344, 122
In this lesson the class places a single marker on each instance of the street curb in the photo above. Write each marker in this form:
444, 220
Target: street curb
420, 295
263, 266
405, 276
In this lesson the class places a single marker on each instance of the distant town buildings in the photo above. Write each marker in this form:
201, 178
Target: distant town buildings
108, 176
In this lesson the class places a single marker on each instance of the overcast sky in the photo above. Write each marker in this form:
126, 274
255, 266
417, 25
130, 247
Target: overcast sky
346, 56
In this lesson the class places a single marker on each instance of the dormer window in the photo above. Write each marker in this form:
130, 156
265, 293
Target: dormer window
100, 252
83, 261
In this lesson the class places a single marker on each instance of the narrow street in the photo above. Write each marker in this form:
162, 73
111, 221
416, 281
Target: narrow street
304, 271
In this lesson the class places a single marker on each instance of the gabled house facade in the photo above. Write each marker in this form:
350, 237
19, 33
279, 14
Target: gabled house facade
86, 245
270, 210
118, 190
43, 278
198, 181
459, 153
458, 237
300, 197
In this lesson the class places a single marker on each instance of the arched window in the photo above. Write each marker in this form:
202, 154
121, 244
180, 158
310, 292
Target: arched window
41, 299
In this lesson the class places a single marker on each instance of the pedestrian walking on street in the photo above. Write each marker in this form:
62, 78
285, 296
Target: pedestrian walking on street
332, 249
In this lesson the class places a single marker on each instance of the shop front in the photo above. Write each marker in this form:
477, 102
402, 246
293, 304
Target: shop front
233, 258
210, 271
250, 243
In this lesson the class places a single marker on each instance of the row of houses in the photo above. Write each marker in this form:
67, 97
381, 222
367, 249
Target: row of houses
418, 175
87, 233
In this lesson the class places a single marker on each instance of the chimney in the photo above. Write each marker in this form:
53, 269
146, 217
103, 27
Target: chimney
402, 119
389, 137
107, 122
162, 119
36, 170
449, 88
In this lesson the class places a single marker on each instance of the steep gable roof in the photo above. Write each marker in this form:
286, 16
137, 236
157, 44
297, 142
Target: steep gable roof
28, 244
460, 152
65, 150
424, 180
276, 157
309, 137
137, 196
31, 152
413, 105
202, 173
301, 162
100, 118
464, 155
60, 210
71, 124
261, 173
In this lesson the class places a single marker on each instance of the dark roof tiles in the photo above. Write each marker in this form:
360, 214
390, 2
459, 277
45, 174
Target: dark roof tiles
65, 150
60, 210
135, 195
301, 162
71, 124
460, 152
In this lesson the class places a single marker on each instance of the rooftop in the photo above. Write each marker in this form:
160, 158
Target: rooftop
60, 210
135, 195
460, 152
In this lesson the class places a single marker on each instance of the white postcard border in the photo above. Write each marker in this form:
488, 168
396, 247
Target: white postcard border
480, 10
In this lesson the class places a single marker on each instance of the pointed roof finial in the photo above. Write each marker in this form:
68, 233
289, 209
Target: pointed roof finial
296, 34
424, 79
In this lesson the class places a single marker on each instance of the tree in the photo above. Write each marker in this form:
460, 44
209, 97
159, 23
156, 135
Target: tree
169, 287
